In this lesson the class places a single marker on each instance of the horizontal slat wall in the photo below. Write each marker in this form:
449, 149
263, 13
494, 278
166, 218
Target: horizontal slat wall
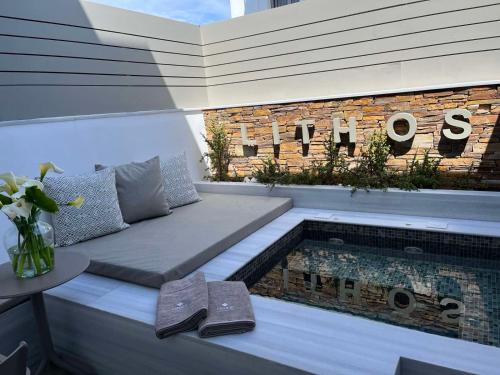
69, 57
328, 48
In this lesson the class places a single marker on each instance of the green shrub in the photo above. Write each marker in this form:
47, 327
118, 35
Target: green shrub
422, 174
463, 181
329, 172
371, 170
333, 170
271, 174
218, 155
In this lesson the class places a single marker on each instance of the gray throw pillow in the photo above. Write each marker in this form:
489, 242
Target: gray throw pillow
179, 187
100, 213
141, 193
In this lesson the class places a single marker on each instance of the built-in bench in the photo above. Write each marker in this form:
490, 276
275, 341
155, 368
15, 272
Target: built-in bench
170, 247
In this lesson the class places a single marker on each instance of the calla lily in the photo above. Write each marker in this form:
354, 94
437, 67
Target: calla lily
25, 185
48, 166
10, 182
30, 182
77, 202
18, 209
9, 211
4, 188
21, 179
19, 194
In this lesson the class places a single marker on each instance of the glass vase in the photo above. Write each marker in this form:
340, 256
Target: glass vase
31, 249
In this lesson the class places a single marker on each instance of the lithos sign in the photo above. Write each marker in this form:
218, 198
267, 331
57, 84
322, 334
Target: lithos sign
455, 118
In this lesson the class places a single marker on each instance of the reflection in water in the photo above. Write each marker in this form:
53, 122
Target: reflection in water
428, 292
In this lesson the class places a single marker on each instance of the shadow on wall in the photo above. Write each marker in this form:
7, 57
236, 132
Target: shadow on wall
452, 148
490, 162
91, 71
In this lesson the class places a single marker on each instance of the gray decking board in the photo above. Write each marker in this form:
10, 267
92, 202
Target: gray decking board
302, 337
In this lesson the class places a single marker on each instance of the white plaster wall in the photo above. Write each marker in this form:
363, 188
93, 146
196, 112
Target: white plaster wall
76, 144
342, 48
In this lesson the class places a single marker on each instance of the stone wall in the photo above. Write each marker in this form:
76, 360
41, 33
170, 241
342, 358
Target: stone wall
481, 150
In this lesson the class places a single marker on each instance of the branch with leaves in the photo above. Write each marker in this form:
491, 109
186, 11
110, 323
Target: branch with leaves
219, 155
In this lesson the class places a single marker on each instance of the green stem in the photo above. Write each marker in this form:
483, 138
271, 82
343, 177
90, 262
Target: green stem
32, 249
44, 251
20, 264
15, 260
35, 253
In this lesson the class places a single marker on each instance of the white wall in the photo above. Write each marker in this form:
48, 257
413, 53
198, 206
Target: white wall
71, 57
77, 144
343, 48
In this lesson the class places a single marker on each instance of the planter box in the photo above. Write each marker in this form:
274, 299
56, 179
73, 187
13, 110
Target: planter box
454, 204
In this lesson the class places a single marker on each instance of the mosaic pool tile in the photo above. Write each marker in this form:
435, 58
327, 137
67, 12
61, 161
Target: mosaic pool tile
443, 283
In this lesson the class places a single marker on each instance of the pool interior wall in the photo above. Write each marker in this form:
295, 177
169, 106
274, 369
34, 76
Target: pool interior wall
442, 283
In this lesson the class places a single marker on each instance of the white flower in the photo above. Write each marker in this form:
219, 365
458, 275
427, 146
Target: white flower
26, 183
4, 188
48, 166
19, 194
18, 209
30, 183
10, 186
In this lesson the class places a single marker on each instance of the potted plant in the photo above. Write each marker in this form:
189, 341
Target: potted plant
30, 243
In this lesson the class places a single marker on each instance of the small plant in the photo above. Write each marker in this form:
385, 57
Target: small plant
421, 174
335, 167
219, 155
271, 173
463, 181
372, 170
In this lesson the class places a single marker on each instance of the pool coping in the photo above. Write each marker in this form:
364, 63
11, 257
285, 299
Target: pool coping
301, 336
452, 204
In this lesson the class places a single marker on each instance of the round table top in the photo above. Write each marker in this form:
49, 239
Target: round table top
68, 265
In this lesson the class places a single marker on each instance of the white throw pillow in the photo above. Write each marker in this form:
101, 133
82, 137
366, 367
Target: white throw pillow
100, 213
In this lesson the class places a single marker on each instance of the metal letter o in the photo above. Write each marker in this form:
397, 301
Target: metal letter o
412, 122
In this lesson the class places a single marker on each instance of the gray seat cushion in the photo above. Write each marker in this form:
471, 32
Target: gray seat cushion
170, 247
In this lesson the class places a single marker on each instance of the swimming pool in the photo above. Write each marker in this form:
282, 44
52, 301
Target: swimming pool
438, 282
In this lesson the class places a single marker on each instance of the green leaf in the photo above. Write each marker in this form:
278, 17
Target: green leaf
41, 200
5, 200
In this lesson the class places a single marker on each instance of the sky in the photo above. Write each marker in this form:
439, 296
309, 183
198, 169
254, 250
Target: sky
192, 11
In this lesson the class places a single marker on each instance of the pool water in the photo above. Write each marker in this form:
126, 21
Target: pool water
442, 283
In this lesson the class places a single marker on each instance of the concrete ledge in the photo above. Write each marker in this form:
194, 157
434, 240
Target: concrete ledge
454, 204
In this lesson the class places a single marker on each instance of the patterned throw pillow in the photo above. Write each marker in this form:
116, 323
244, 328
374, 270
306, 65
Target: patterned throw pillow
179, 187
99, 215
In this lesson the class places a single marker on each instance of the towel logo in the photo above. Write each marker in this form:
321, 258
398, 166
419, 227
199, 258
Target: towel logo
179, 306
225, 307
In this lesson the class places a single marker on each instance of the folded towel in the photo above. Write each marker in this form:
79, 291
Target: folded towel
229, 309
182, 304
